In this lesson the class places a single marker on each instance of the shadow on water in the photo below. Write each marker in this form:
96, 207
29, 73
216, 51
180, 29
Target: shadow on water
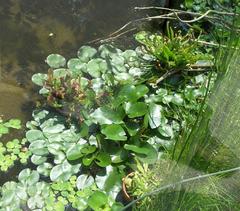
32, 29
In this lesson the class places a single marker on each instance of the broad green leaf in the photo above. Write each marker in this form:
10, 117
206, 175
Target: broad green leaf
45, 169
145, 152
114, 132
37, 160
188, 3
84, 181
85, 53
63, 172
132, 128
88, 159
60, 73
35, 202
21, 191
84, 82
88, 149
155, 115
124, 78
131, 93
56, 61
117, 206
109, 181
107, 116
76, 66
108, 51
59, 157
40, 114
38, 147
136, 109
166, 130
74, 152
28, 177
97, 200
118, 156
58, 128
103, 159
96, 66
33, 135
97, 85
39, 79
135, 72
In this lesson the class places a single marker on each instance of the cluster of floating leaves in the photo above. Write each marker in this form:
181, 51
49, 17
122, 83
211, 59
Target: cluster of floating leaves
14, 150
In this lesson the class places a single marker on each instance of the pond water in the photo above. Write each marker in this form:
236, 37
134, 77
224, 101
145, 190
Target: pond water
32, 29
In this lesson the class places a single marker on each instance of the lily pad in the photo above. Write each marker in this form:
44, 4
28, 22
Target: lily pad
39, 79
84, 181
96, 66
38, 147
56, 61
28, 177
85, 53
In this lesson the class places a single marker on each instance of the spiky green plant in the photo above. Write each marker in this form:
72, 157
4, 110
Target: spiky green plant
205, 163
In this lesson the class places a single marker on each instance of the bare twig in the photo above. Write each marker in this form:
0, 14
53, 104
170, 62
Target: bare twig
173, 14
116, 34
166, 75
186, 12
103, 40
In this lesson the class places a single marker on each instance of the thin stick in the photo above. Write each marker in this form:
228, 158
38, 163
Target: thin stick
179, 183
166, 75
117, 36
186, 12
115, 33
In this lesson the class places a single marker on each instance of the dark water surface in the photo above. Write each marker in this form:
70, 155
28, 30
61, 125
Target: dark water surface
32, 29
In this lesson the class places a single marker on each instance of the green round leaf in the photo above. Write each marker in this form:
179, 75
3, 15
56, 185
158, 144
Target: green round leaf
84, 181
103, 159
97, 200
39, 79
96, 66
76, 66
85, 53
74, 152
33, 135
136, 109
28, 177
56, 61
155, 115
37, 160
44, 169
60, 73
38, 147
108, 116
145, 152
114, 132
